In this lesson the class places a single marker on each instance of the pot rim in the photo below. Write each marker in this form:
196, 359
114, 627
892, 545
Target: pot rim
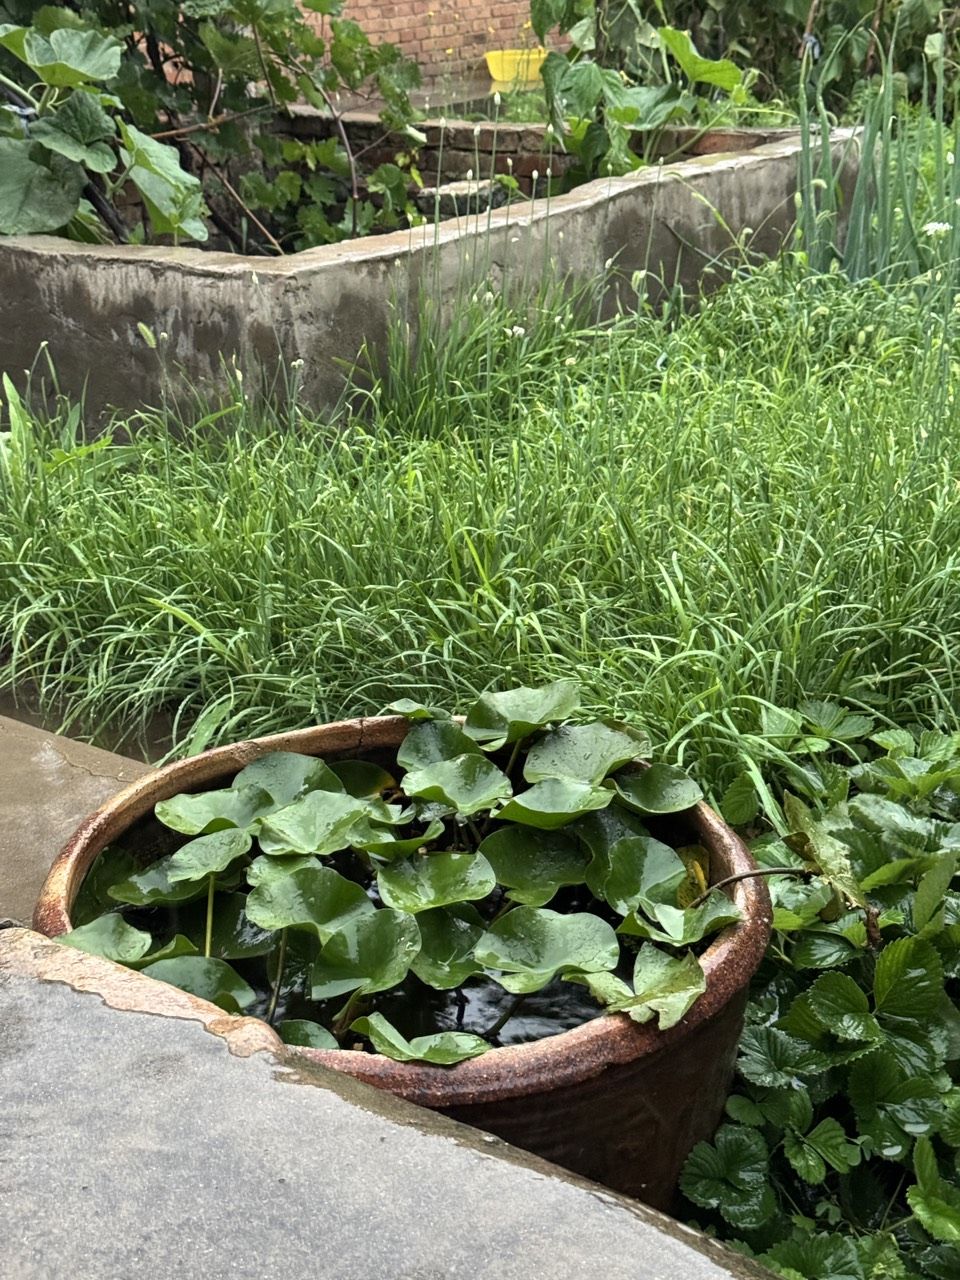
513, 1071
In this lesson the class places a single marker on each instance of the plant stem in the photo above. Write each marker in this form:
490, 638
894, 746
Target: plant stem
748, 875
504, 1018
208, 937
275, 993
14, 88
345, 1016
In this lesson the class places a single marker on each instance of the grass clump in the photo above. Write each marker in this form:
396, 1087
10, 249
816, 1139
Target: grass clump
747, 507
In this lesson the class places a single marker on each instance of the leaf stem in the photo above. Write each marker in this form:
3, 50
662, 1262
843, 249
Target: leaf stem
345, 1016
505, 1017
278, 981
748, 875
208, 937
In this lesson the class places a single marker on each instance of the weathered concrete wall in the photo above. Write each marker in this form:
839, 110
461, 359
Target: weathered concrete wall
323, 306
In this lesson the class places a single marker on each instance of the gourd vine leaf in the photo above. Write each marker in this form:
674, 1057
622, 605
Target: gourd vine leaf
444, 1048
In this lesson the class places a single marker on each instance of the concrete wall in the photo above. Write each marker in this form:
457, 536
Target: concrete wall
323, 305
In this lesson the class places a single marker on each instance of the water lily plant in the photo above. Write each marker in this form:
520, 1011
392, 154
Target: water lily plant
501, 859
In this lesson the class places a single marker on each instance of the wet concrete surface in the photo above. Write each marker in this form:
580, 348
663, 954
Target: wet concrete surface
48, 783
141, 1145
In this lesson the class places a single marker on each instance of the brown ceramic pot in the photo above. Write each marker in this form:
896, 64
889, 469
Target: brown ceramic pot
617, 1102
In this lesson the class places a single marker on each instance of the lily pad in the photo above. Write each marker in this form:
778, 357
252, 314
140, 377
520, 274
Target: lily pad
443, 1049
468, 783
287, 775
234, 935
414, 710
383, 845
448, 937
209, 811
207, 855
534, 864
307, 1034
362, 779
113, 865
634, 868
662, 984
111, 937
436, 880
554, 803
210, 979
319, 823
584, 752
152, 886
532, 946
663, 788
371, 953
433, 740
680, 926
498, 718
177, 946
317, 899
267, 868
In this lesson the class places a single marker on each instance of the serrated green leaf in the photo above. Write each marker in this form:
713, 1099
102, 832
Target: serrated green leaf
317, 899
804, 1160
584, 752
663, 788
814, 843
842, 1007
740, 803
372, 952
534, 864
532, 946
771, 1058
908, 981
932, 888
935, 1203
731, 1175
443, 1049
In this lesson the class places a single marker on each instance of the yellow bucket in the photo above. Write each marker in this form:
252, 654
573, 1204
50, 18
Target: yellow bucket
515, 66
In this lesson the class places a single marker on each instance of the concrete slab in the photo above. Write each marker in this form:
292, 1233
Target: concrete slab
148, 1146
47, 785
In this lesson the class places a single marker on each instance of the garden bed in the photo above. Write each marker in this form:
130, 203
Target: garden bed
205, 311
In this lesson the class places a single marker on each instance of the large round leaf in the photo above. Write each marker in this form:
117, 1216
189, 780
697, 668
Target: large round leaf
435, 880
554, 803
66, 58
320, 823
362, 778
433, 740
267, 868
534, 864
499, 718
35, 198
310, 1035
317, 899
152, 886
634, 868
532, 946
447, 940
468, 783
209, 811
372, 953
210, 979
79, 130
286, 775
109, 936
207, 855
443, 1049
177, 946
584, 752
234, 935
384, 845
663, 788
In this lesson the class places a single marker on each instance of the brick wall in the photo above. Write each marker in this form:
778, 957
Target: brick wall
445, 38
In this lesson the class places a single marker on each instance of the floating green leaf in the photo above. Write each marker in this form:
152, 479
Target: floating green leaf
468, 783
415, 710
498, 718
109, 936
286, 775
317, 899
444, 1048
210, 811
111, 866
532, 946
207, 855
371, 953
152, 886
267, 868
361, 778
584, 752
435, 880
210, 979
234, 935
177, 946
554, 803
309, 1035
663, 788
385, 845
430, 741
534, 864
633, 869
447, 941
319, 823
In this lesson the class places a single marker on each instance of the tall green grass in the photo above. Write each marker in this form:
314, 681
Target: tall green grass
753, 504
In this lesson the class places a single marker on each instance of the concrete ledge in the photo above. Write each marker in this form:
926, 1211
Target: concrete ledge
145, 1145
47, 785
324, 305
